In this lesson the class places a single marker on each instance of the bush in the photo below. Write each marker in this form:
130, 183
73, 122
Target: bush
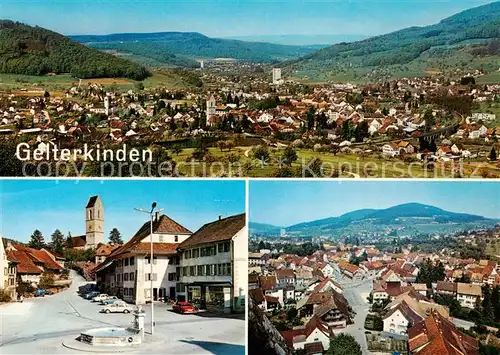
47, 280
24, 288
374, 323
4, 296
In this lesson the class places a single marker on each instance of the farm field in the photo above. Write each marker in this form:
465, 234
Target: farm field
343, 165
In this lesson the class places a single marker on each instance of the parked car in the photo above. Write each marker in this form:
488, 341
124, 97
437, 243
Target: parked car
40, 293
109, 300
91, 295
100, 297
49, 292
183, 307
117, 307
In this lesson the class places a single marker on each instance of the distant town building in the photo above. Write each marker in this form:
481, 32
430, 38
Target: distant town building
277, 76
211, 109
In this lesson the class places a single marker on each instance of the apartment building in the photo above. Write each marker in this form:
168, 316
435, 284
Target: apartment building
213, 265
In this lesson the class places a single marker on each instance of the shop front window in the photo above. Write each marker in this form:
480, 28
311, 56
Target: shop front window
215, 296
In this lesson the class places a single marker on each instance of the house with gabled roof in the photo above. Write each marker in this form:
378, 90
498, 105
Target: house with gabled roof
126, 272
437, 335
325, 285
314, 331
399, 318
214, 265
468, 294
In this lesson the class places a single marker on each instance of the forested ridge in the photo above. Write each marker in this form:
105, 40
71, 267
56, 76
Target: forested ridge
192, 45
400, 47
37, 51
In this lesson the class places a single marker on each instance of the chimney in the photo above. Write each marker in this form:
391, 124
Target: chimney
157, 216
220, 217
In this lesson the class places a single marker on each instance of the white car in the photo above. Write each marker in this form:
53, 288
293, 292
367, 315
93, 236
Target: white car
117, 307
101, 297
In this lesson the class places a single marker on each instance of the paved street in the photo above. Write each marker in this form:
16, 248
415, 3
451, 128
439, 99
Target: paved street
39, 326
356, 293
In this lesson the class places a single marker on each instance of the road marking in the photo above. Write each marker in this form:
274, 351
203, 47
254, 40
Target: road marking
76, 311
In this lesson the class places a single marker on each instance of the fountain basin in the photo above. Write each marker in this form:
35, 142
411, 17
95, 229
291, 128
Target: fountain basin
111, 337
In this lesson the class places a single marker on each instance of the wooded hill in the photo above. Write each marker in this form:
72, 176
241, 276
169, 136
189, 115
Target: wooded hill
473, 29
37, 51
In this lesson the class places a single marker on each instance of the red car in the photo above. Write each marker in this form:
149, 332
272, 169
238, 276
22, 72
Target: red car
183, 307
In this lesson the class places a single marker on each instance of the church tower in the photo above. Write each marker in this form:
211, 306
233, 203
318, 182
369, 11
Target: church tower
94, 222
211, 109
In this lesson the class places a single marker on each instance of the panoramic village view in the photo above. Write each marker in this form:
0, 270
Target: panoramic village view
422, 101
397, 268
91, 271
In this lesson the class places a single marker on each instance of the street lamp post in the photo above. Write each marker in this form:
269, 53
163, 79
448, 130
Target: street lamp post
153, 206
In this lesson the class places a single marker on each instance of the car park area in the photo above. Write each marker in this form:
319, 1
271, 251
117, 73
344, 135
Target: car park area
40, 325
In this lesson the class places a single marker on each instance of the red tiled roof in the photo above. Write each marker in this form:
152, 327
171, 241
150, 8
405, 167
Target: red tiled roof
79, 241
25, 263
437, 335
256, 295
446, 286
348, 267
105, 250
282, 273
267, 282
40, 256
163, 224
46, 259
410, 315
314, 323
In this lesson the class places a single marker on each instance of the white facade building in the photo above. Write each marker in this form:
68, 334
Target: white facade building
127, 271
214, 263
277, 76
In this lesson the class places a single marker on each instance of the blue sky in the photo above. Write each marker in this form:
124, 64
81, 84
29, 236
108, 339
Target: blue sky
222, 18
27, 205
288, 202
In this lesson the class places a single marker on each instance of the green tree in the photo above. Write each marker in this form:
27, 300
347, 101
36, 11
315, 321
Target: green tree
115, 236
487, 303
139, 86
493, 154
37, 240
176, 150
261, 153
289, 156
69, 241
430, 272
291, 314
361, 131
313, 168
495, 300
310, 118
57, 242
346, 131
429, 119
344, 344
